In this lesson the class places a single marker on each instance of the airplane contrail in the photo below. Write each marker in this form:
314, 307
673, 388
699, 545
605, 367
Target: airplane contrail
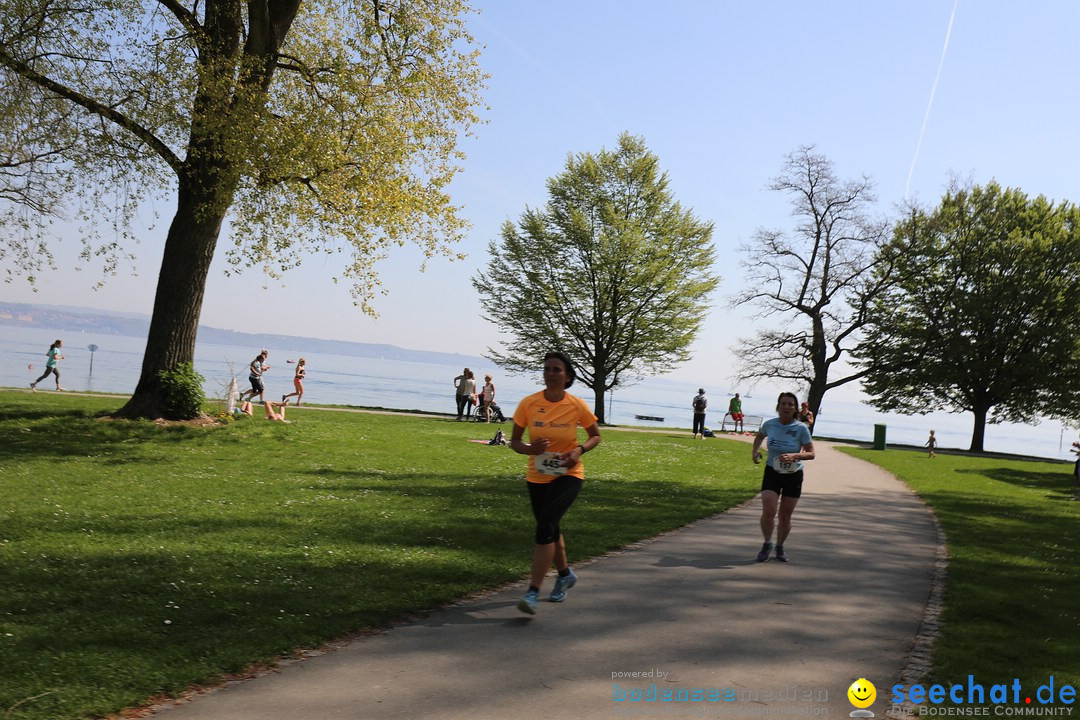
930, 104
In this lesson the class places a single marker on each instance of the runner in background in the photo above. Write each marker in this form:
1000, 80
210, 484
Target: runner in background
255, 372
54, 357
789, 444
298, 382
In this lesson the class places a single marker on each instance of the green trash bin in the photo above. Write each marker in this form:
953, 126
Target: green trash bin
879, 437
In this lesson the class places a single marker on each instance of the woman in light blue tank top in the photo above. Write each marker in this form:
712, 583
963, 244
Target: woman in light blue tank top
789, 444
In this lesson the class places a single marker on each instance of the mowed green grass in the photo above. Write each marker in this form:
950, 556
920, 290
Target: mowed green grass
1012, 602
138, 559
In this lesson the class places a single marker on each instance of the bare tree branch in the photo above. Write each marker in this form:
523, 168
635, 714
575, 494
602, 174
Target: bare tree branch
816, 279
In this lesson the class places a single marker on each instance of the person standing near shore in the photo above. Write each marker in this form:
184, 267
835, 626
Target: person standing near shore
555, 475
699, 404
931, 444
789, 444
54, 357
459, 391
487, 396
469, 384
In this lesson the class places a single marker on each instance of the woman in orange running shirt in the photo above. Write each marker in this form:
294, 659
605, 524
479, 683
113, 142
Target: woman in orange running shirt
556, 473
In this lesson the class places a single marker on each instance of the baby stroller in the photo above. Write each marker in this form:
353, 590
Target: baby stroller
496, 413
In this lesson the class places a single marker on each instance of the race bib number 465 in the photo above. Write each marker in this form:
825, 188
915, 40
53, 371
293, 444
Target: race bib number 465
784, 468
549, 463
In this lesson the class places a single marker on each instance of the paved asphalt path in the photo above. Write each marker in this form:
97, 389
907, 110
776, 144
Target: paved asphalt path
780, 639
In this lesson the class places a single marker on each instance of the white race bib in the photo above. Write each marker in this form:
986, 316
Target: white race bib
549, 463
785, 468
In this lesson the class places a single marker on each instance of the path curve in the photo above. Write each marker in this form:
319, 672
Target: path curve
786, 639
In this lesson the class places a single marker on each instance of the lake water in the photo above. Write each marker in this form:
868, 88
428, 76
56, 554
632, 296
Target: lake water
346, 380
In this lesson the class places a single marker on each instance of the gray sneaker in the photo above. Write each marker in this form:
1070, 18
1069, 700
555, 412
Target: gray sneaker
562, 584
763, 556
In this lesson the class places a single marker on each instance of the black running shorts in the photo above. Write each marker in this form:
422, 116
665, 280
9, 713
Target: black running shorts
783, 484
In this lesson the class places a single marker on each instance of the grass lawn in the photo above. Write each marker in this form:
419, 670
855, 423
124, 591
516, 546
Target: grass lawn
1012, 602
138, 559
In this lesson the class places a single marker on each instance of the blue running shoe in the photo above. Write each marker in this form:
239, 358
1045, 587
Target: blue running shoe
562, 584
527, 604
763, 556
780, 554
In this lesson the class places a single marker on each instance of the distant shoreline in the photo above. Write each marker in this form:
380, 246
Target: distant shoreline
73, 319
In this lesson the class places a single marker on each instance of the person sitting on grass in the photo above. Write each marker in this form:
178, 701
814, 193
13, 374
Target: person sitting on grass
269, 406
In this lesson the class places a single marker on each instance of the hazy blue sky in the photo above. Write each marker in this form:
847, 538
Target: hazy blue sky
720, 91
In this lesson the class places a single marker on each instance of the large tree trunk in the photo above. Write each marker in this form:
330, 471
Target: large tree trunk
820, 382
598, 403
816, 393
185, 264
978, 435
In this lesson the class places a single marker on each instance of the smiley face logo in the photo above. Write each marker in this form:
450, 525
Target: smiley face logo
862, 693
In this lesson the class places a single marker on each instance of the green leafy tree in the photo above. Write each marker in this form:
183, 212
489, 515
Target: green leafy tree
985, 315
814, 282
313, 127
612, 271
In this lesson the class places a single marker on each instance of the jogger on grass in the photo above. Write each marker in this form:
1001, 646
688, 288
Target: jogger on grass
50, 365
298, 382
256, 369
